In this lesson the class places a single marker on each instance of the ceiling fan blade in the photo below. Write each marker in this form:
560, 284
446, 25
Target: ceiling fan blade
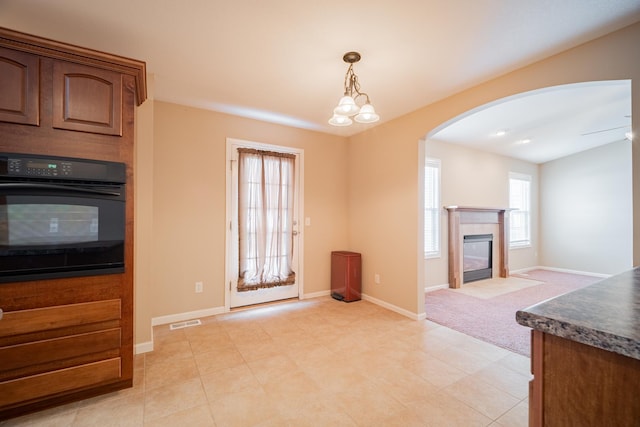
604, 130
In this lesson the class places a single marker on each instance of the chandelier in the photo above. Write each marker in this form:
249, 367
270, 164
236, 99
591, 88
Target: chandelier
347, 107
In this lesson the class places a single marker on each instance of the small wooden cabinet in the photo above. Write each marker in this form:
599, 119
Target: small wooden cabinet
346, 275
70, 338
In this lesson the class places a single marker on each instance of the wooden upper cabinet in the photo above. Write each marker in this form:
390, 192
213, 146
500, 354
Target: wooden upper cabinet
19, 87
87, 99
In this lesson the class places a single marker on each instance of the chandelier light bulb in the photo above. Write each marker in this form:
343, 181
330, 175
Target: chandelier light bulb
346, 107
367, 114
340, 120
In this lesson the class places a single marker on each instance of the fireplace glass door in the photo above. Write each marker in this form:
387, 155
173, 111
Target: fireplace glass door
477, 257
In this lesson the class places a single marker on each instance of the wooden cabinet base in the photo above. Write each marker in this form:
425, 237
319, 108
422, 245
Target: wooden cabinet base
580, 385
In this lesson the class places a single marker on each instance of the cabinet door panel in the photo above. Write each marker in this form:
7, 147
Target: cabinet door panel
87, 99
19, 87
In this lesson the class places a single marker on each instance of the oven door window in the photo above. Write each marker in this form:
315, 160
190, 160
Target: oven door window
49, 224
50, 236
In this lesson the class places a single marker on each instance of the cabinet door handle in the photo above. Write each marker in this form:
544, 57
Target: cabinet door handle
0, 314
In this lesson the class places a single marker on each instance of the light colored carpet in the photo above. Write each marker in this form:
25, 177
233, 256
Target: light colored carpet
496, 286
493, 319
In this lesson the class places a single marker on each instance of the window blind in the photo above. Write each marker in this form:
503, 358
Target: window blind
432, 208
520, 203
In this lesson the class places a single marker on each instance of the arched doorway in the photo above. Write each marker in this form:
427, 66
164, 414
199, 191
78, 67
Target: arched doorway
579, 162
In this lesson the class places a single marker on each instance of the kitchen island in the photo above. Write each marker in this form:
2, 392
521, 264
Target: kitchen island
585, 355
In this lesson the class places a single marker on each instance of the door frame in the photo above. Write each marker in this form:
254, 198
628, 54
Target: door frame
231, 145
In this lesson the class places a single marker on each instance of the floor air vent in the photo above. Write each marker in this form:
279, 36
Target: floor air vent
185, 324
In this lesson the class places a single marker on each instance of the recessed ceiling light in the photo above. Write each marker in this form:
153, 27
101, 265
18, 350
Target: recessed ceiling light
523, 141
501, 132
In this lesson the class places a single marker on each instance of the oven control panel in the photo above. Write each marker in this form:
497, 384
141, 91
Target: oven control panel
33, 166
39, 168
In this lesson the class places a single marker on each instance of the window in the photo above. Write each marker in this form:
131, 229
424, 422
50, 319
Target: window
432, 208
520, 216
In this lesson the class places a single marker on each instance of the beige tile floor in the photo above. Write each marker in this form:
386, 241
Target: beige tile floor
316, 362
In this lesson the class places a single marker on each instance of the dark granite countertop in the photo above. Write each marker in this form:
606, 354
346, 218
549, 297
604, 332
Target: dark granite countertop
605, 315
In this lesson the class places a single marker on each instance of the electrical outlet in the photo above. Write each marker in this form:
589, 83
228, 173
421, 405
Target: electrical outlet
199, 287
376, 278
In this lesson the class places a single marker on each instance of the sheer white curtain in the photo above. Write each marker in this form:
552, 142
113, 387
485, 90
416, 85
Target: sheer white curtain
265, 223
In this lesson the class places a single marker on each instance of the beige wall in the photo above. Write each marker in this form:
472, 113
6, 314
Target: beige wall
189, 185
384, 174
481, 179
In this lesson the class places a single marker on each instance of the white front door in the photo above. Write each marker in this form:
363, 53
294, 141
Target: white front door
236, 295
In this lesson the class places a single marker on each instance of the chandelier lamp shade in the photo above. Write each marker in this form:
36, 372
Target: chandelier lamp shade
348, 108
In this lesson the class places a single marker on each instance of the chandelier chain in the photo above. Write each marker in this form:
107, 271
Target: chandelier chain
353, 85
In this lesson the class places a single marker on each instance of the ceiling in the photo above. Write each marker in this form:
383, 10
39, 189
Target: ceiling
547, 124
281, 60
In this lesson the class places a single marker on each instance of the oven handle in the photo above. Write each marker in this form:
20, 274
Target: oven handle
53, 187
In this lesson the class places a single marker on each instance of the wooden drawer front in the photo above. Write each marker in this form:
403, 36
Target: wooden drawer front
62, 380
41, 319
87, 99
34, 353
19, 87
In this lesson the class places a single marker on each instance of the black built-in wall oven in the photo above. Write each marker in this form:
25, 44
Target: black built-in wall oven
60, 217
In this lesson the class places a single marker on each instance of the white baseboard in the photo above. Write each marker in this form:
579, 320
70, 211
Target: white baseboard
525, 270
143, 347
316, 294
436, 287
180, 317
395, 308
583, 273
561, 270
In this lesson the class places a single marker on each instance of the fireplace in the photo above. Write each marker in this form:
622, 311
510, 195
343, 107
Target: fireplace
477, 259
473, 221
